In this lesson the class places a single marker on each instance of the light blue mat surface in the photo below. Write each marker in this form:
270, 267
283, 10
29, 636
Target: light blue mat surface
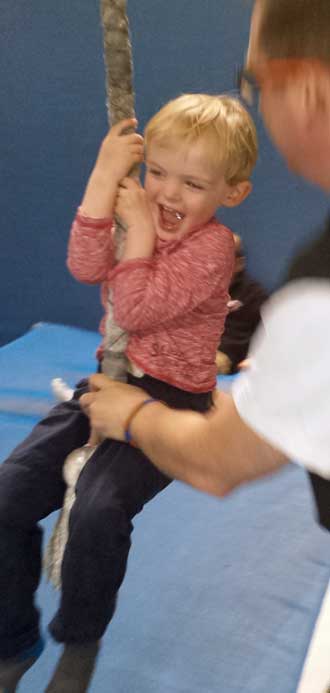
221, 596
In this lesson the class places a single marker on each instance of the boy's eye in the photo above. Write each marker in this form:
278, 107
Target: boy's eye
195, 186
155, 172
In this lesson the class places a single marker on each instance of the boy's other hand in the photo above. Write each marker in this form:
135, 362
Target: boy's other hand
132, 205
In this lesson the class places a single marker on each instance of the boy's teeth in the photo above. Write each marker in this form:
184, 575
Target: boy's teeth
175, 214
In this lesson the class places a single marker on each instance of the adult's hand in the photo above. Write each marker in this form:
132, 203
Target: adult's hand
109, 404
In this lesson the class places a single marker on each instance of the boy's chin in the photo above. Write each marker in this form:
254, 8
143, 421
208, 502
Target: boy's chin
172, 234
166, 235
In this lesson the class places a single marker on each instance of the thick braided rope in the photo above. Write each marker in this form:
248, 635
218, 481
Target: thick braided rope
120, 104
118, 60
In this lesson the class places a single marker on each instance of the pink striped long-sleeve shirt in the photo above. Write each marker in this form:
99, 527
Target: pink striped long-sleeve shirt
173, 305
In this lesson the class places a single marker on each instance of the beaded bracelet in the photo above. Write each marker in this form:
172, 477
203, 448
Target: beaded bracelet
127, 432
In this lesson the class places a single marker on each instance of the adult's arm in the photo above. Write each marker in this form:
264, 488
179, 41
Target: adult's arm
279, 408
214, 452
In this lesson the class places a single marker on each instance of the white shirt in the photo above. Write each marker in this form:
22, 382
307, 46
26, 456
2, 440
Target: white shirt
285, 395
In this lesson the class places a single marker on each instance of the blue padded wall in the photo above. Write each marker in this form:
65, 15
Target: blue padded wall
52, 118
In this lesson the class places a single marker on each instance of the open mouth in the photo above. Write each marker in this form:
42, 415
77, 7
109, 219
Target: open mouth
170, 219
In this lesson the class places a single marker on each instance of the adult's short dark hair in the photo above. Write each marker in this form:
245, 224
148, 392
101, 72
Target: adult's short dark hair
295, 29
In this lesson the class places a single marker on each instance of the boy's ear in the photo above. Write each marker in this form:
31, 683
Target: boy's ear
237, 193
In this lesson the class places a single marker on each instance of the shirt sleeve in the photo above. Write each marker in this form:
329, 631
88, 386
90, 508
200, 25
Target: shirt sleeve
91, 252
154, 291
285, 395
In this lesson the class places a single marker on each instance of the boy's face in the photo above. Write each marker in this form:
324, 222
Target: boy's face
183, 189
295, 128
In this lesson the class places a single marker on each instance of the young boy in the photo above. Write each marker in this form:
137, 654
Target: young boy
170, 293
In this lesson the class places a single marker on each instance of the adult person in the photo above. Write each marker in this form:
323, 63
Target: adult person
280, 408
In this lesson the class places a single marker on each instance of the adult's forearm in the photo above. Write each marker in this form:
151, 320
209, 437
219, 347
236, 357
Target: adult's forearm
176, 442
215, 452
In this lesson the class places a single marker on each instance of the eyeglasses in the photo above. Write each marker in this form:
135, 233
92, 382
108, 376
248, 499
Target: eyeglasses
275, 71
248, 86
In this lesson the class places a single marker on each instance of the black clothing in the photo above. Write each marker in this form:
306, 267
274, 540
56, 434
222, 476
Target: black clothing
241, 322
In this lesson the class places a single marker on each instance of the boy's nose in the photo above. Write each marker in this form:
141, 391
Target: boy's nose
172, 190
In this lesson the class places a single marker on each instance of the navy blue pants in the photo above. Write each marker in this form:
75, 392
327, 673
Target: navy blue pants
113, 487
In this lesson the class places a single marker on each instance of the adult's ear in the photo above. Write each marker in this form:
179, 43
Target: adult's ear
310, 96
237, 193
317, 95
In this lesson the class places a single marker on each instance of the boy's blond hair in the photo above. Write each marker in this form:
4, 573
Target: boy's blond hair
221, 122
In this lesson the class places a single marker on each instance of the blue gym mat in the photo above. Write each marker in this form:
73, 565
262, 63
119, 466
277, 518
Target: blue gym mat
221, 596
